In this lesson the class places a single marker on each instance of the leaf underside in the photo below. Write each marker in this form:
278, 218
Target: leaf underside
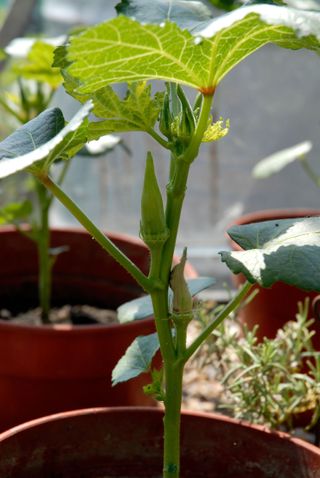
137, 358
123, 50
42, 140
286, 250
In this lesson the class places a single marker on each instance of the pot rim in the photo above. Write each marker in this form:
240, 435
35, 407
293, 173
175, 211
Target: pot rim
159, 411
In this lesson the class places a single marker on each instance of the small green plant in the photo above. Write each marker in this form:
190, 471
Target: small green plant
184, 46
269, 382
28, 85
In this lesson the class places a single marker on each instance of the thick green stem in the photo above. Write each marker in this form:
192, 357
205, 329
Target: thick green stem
43, 245
173, 367
147, 284
172, 418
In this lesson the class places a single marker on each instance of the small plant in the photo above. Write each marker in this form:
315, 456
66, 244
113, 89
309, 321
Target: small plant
29, 83
197, 52
269, 382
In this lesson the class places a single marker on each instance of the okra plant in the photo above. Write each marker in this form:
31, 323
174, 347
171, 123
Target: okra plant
183, 45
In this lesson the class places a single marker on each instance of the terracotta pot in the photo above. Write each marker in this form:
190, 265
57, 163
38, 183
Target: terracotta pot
273, 307
127, 442
50, 369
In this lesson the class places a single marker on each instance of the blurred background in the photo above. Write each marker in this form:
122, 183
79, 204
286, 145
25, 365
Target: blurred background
272, 100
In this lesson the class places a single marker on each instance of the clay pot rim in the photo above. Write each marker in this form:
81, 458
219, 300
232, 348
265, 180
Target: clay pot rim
152, 411
269, 214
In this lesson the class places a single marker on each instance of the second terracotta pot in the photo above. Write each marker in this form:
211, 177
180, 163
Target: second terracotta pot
49, 369
127, 442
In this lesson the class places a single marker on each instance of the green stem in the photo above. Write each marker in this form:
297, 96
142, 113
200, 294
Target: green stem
43, 245
158, 138
173, 368
230, 307
310, 172
147, 284
172, 419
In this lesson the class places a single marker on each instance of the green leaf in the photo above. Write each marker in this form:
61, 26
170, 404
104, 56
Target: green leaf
38, 65
123, 50
138, 111
137, 358
274, 163
42, 140
184, 13
286, 250
13, 212
142, 308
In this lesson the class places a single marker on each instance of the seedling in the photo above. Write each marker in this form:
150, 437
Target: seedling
197, 52
29, 83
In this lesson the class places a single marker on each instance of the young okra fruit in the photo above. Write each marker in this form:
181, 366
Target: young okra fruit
182, 44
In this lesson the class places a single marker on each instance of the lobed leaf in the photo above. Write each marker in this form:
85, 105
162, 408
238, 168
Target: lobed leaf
137, 358
123, 50
43, 139
138, 111
286, 250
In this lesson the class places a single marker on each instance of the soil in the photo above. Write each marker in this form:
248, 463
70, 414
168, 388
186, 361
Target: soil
68, 314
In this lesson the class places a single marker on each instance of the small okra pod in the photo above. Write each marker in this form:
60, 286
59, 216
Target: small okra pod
182, 299
153, 228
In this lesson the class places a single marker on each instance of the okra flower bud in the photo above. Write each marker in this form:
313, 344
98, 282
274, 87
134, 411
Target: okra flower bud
153, 228
182, 299
166, 118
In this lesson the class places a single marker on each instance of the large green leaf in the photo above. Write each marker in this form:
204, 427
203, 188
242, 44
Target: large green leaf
279, 160
185, 13
123, 50
286, 250
138, 111
137, 358
141, 308
42, 140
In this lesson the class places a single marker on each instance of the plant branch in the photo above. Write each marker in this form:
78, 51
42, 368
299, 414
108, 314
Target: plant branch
147, 284
158, 138
230, 307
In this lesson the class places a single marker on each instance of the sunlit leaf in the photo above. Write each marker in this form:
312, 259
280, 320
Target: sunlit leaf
286, 250
142, 308
123, 50
42, 140
279, 160
137, 358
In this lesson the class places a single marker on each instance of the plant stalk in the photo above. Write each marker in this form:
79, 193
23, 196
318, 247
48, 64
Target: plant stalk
170, 348
147, 284
230, 307
43, 245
